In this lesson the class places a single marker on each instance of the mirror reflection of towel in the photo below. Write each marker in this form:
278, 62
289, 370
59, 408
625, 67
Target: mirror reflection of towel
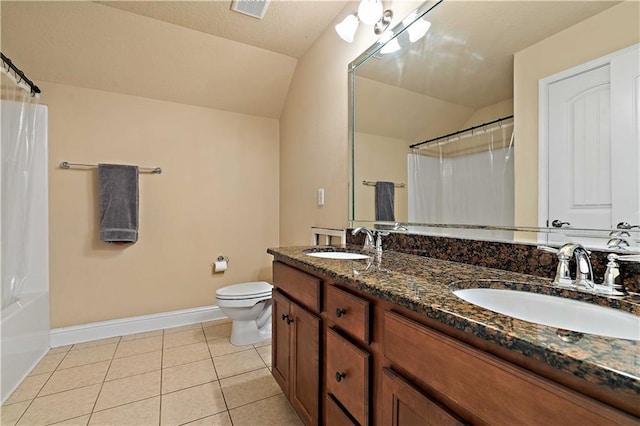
385, 195
118, 198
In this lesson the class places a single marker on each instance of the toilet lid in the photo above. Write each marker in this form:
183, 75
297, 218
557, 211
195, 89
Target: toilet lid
245, 290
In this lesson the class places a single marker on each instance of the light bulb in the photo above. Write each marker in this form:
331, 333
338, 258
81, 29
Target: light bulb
390, 47
418, 29
370, 11
347, 28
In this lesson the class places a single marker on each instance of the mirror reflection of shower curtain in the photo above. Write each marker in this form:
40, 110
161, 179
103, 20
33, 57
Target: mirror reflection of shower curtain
468, 189
19, 111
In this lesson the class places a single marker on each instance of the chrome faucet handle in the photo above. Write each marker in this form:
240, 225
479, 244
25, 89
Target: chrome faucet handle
379, 235
399, 227
563, 276
617, 242
619, 233
548, 249
612, 285
626, 225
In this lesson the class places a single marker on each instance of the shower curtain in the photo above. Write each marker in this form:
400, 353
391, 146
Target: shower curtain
475, 186
19, 117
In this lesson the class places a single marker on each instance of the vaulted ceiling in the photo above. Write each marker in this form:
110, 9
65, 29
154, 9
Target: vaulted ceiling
194, 52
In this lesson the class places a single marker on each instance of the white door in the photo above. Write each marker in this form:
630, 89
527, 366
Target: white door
625, 135
593, 155
580, 149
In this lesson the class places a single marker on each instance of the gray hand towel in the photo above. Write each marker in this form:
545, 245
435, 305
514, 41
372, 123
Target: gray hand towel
118, 197
385, 195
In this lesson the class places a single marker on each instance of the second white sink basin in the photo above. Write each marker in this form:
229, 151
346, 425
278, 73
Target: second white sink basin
554, 311
344, 255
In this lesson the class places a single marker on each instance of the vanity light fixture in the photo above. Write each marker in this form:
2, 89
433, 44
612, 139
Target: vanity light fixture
370, 12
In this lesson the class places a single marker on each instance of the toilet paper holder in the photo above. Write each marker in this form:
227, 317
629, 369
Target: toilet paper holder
220, 258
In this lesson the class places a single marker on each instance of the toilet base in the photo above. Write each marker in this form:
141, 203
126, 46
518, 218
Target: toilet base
247, 333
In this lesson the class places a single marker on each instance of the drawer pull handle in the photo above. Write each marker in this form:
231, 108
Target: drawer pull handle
340, 312
287, 318
340, 376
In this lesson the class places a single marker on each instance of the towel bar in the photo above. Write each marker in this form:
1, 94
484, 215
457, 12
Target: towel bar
67, 165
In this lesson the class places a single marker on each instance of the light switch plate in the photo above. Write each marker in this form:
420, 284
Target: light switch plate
321, 196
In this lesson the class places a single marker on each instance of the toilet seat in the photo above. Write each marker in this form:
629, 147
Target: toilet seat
252, 290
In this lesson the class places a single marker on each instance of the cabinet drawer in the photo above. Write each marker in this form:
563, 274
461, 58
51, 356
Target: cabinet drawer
334, 415
300, 286
481, 387
347, 375
349, 312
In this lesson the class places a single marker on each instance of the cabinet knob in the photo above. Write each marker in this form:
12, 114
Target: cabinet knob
340, 312
340, 376
287, 318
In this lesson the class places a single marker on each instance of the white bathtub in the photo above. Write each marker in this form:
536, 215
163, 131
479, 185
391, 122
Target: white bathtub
24, 339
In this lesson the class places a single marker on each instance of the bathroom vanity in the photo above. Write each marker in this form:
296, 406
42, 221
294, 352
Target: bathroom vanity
392, 344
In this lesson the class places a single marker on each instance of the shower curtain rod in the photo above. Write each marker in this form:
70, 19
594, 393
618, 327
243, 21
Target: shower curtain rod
6, 62
67, 165
499, 120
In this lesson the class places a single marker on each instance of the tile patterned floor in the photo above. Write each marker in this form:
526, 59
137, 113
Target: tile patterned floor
185, 375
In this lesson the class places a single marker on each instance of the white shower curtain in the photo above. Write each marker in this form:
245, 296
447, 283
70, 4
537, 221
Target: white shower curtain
18, 110
468, 189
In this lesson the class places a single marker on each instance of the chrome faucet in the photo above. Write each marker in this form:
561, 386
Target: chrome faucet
369, 243
372, 239
584, 270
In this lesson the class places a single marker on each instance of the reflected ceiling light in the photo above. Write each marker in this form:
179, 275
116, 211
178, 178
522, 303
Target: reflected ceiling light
370, 12
416, 28
390, 47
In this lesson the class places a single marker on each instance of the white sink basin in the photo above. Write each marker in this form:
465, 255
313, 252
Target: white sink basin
344, 255
554, 311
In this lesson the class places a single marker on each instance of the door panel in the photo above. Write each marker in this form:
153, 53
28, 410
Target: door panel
580, 149
305, 386
280, 349
625, 122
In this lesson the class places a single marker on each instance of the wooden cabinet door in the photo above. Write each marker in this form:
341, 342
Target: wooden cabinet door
305, 364
347, 376
281, 340
405, 405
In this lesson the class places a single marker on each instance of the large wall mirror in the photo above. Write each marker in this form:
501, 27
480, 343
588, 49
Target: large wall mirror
499, 117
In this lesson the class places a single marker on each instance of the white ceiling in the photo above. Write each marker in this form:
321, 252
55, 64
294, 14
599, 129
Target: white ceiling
288, 27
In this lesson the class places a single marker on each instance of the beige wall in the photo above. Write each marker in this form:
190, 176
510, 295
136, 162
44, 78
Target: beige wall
379, 158
395, 112
611, 30
313, 132
218, 194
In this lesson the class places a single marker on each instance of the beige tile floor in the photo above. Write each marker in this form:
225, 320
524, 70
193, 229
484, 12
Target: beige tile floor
185, 375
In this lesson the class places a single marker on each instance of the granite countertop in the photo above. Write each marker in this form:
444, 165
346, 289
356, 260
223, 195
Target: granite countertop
424, 285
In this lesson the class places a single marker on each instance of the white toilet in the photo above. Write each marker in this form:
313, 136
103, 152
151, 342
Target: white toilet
249, 306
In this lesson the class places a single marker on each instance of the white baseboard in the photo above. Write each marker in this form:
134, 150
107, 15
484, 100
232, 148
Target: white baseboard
123, 326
